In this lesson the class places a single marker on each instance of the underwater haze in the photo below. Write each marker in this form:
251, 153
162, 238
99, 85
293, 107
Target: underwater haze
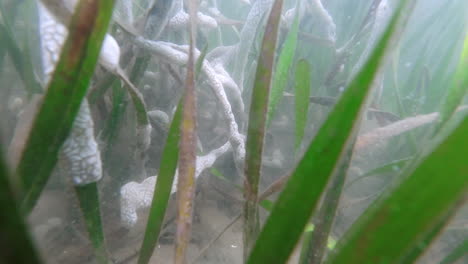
107, 164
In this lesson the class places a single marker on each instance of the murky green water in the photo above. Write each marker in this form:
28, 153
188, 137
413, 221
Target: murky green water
335, 37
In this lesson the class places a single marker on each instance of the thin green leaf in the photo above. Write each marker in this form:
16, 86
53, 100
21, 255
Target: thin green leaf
67, 89
256, 126
306, 241
283, 66
412, 209
391, 166
296, 203
137, 99
16, 244
188, 147
456, 253
112, 126
401, 108
101, 87
200, 60
457, 92
301, 98
426, 240
266, 204
141, 64
326, 213
88, 196
162, 190
21, 62
220, 176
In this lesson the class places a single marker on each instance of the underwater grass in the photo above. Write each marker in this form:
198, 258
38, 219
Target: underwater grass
296, 203
425, 241
257, 125
88, 196
162, 190
114, 123
188, 147
21, 58
389, 167
457, 253
457, 92
62, 100
326, 160
316, 246
301, 99
283, 66
372, 237
15, 239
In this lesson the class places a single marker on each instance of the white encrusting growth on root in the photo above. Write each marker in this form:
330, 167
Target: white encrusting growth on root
239, 53
110, 54
382, 17
381, 134
52, 36
318, 10
180, 21
125, 10
167, 51
80, 151
135, 196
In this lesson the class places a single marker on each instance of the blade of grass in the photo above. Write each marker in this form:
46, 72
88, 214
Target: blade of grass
458, 90
301, 99
114, 121
283, 66
305, 246
200, 60
137, 99
101, 87
431, 235
220, 176
21, 61
188, 147
307, 236
62, 101
391, 166
326, 214
256, 127
15, 242
457, 253
162, 190
88, 196
400, 106
413, 208
296, 203
154, 22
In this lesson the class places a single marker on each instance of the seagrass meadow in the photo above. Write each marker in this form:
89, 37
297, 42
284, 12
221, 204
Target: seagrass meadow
234, 131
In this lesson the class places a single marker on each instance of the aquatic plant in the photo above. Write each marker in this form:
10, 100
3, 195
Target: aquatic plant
360, 121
